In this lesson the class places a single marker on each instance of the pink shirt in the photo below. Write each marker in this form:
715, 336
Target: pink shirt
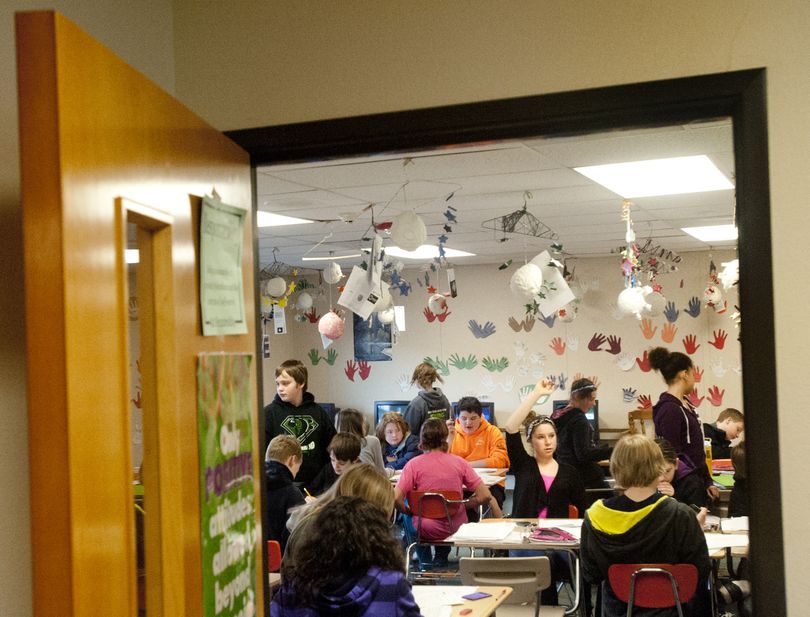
548, 481
438, 470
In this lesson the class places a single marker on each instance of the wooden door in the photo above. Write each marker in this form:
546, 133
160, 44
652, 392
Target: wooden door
101, 145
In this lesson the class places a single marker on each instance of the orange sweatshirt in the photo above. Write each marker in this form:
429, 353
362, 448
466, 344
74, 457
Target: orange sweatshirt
486, 443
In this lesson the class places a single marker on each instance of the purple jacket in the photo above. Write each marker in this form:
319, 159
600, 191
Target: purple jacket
680, 425
377, 593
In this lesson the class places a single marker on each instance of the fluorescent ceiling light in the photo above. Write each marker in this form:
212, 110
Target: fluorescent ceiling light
330, 257
712, 233
673, 176
270, 219
132, 256
426, 251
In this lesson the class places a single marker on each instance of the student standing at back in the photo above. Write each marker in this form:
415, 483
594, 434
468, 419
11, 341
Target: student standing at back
295, 412
430, 402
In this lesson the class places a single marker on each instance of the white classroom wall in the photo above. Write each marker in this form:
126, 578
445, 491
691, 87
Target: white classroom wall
484, 296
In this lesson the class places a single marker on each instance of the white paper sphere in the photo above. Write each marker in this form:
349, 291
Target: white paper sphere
713, 297
408, 231
332, 273
437, 304
386, 316
331, 325
526, 281
631, 301
276, 287
303, 301
385, 299
568, 313
657, 303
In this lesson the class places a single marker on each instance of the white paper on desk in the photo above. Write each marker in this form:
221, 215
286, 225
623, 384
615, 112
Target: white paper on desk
490, 479
483, 531
432, 598
716, 541
736, 523
566, 523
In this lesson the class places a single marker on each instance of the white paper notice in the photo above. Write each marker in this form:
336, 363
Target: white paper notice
360, 294
560, 293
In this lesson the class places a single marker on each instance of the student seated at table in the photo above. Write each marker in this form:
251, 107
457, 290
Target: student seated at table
399, 444
641, 526
282, 462
729, 425
344, 451
478, 442
348, 564
352, 421
438, 470
679, 478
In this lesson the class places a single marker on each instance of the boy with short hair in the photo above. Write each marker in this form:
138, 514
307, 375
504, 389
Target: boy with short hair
729, 425
282, 462
344, 451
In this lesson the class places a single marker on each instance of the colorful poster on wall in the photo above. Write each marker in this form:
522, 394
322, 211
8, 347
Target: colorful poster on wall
228, 521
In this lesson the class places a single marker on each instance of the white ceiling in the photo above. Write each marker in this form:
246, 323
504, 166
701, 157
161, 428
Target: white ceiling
490, 180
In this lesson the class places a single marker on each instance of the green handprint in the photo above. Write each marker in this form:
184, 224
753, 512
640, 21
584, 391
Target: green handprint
438, 364
469, 362
331, 356
314, 357
492, 365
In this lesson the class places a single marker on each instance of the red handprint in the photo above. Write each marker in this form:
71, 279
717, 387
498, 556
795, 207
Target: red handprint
698, 373
312, 315
693, 398
351, 369
668, 332
690, 344
596, 342
716, 396
442, 316
647, 329
365, 369
645, 401
719, 339
615, 343
557, 345
429, 315
644, 363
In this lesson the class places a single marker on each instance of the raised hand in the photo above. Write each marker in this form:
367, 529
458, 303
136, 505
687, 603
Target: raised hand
694, 398
444, 314
561, 381
528, 323
644, 363
698, 373
596, 342
516, 325
557, 345
718, 369
625, 361
429, 315
549, 321
628, 395
719, 339
615, 343
645, 401
690, 344
404, 382
314, 357
670, 312
716, 396
365, 369
693, 308
480, 331
351, 369
312, 315
572, 342
668, 332
647, 329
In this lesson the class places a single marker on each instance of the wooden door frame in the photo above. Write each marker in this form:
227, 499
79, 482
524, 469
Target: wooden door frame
740, 95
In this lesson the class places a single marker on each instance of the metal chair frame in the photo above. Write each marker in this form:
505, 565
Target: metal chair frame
451, 501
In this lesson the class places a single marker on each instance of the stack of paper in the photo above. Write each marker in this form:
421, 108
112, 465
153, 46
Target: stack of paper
734, 525
489, 532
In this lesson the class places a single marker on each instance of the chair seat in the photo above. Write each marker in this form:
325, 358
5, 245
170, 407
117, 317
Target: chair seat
653, 585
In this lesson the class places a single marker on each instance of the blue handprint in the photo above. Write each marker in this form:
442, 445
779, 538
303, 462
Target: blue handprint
549, 321
561, 381
693, 308
628, 395
480, 331
671, 312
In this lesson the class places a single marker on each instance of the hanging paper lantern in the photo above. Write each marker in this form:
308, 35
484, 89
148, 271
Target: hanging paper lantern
408, 231
304, 301
631, 301
331, 325
275, 287
437, 304
730, 273
332, 273
656, 302
385, 299
527, 281
568, 313
386, 316
713, 297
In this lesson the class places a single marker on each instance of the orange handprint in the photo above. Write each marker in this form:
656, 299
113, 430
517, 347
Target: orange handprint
668, 332
557, 345
647, 329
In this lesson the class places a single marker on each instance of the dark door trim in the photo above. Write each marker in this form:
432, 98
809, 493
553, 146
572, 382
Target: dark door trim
740, 95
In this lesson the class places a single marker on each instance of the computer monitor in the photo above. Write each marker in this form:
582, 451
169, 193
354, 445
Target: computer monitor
383, 407
592, 415
331, 410
487, 410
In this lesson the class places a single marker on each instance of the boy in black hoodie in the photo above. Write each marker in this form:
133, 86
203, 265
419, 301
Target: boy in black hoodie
282, 462
295, 412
